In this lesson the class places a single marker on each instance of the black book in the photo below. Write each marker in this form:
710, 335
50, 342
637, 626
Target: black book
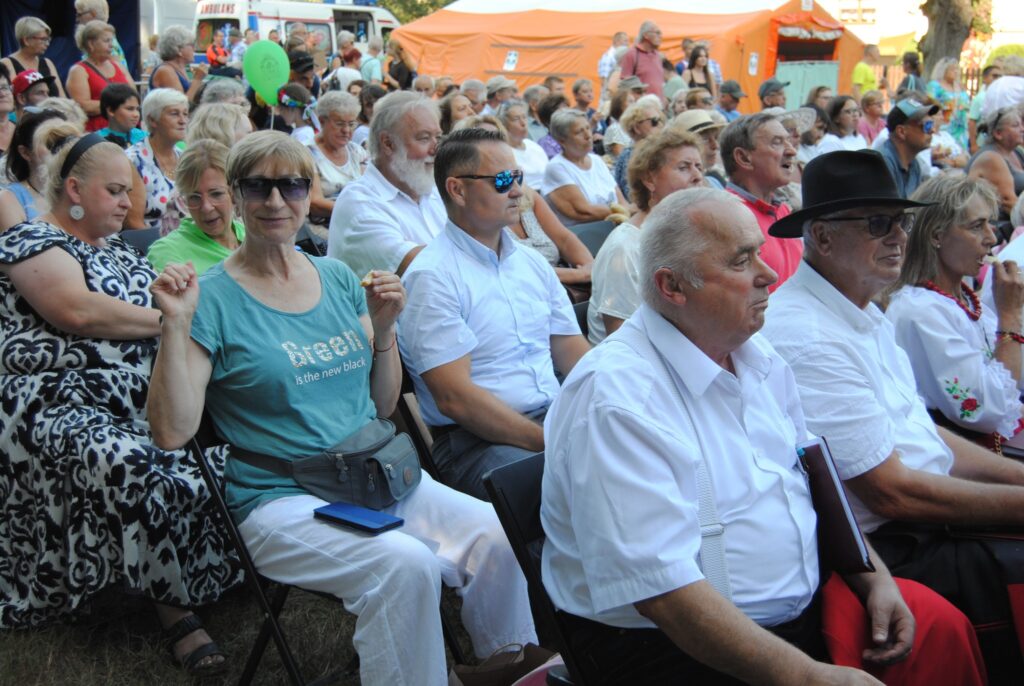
840, 539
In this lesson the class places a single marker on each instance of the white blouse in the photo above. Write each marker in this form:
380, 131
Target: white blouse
954, 362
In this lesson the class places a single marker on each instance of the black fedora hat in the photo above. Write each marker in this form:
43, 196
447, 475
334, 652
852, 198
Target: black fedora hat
838, 181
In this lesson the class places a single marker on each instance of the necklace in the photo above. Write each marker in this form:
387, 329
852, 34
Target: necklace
973, 312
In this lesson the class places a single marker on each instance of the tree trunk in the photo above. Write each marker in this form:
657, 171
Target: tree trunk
949, 24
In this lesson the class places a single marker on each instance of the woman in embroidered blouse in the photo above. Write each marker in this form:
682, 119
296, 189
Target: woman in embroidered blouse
966, 359
88, 78
155, 158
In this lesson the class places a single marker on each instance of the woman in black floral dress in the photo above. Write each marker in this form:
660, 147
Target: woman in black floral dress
86, 501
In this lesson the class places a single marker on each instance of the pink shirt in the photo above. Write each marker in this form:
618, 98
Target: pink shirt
781, 254
646, 66
870, 132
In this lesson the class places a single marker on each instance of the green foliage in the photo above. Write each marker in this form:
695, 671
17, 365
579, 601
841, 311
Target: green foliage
1004, 50
982, 20
409, 10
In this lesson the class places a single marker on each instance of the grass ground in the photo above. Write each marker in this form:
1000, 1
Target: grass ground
124, 648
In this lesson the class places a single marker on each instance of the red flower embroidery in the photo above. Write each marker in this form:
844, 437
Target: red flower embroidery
969, 405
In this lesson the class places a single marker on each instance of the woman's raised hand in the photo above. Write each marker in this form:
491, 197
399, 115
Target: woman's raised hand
385, 298
176, 290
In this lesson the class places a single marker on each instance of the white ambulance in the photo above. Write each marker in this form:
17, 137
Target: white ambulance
323, 19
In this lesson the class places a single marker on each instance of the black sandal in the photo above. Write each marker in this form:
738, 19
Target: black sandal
190, 661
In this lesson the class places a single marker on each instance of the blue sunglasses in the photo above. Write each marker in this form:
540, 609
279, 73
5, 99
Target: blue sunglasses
503, 180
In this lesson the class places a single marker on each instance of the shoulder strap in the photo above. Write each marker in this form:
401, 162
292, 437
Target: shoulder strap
712, 545
18, 67
96, 71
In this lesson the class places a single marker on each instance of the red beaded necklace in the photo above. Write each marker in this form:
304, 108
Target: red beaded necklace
973, 312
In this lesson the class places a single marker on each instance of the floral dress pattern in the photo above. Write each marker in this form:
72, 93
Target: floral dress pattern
86, 501
955, 105
161, 209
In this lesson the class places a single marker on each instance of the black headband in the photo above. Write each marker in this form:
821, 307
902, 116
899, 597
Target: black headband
80, 147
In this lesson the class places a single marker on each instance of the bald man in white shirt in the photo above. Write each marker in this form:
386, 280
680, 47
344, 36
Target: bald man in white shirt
687, 385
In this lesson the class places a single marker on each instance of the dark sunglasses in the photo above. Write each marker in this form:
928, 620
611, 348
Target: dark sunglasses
928, 125
880, 225
503, 180
259, 188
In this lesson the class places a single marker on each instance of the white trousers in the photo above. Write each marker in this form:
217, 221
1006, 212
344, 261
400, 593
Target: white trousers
392, 581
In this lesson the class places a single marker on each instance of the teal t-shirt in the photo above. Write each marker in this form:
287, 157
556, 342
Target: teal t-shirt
283, 384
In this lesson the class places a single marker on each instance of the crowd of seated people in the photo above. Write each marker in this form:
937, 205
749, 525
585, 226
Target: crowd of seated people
448, 215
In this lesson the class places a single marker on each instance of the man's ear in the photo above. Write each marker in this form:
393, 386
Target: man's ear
742, 158
456, 191
822, 236
670, 288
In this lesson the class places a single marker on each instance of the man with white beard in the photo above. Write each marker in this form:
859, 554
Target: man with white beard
384, 218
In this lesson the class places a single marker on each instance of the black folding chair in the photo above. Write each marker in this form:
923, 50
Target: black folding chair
515, 494
593, 234
140, 239
271, 595
581, 316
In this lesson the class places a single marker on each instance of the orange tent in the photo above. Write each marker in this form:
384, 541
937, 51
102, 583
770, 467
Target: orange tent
527, 40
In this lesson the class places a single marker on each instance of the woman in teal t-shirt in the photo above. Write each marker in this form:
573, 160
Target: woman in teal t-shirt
291, 354
210, 233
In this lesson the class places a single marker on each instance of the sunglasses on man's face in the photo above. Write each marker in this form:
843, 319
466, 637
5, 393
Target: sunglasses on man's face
258, 188
503, 180
881, 225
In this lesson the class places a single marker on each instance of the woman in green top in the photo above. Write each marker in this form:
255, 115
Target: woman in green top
210, 233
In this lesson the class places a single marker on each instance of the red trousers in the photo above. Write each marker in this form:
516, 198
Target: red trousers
945, 647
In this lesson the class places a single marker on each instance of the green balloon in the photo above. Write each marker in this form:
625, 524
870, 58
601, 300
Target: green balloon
265, 67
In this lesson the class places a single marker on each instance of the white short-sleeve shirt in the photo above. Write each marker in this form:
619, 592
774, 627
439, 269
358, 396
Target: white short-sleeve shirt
619, 496
374, 225
501, 309
831, 143
596, 183
856, 384
533, 161
954, 362
615, 280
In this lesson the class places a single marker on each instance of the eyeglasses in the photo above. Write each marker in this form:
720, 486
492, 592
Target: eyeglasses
654, 121
880, 225
41, 39
926, 125
354, 124
258, 188
852, 110
503, 180
219, 196
707, 101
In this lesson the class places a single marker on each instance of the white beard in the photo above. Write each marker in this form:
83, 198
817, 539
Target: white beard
415, 173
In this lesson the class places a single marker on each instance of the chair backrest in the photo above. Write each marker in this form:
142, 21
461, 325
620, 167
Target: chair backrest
581, 310
515, 494
140, 239
593, 234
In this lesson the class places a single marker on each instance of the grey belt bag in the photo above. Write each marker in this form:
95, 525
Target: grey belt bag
374, 467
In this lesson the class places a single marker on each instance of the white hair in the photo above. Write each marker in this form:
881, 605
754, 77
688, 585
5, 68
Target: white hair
159, 99
389, 111
172, 40
671, 238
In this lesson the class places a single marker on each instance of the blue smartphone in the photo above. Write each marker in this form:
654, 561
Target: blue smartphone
359, 518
